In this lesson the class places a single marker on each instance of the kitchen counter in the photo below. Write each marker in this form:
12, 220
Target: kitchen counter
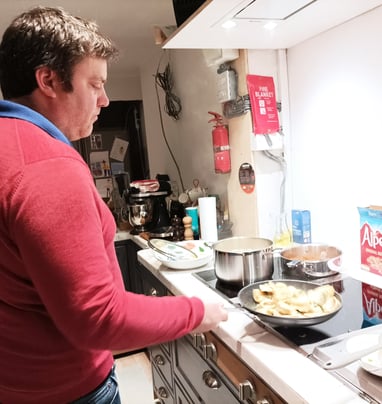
291, 374
126, 235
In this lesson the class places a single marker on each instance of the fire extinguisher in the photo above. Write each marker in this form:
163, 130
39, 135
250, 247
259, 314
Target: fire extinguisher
220, 144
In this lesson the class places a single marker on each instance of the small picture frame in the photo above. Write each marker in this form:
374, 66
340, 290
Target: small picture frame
100, 164
96, 141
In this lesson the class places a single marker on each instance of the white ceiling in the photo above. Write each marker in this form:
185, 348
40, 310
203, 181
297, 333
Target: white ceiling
129, 23
298, 20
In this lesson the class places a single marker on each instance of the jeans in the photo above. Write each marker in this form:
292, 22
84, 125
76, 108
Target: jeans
106, 393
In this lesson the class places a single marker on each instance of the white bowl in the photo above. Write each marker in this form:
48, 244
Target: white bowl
203, 252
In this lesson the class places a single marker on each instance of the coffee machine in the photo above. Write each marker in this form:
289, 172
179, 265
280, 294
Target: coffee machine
148, 211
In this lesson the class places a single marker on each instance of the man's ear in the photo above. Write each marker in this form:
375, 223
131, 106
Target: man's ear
47, 81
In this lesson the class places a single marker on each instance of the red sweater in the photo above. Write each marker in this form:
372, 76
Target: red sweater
63, 306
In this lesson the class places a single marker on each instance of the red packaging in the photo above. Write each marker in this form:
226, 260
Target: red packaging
371, 239
372, 303
263, 104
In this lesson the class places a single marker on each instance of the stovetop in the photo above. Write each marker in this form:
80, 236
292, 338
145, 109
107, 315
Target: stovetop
348, 319
349, 288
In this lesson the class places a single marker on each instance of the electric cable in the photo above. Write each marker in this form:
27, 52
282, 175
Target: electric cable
173, 106
282, 162
157, 81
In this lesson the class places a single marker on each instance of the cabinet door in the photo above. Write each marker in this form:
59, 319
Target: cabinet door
161, 390
162, 363
132, 263
184, 395
151, 286
121, 251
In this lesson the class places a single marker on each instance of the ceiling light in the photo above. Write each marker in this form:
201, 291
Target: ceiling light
270, 25
229, 24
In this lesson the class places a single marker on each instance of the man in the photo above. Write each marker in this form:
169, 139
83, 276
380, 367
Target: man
63, 307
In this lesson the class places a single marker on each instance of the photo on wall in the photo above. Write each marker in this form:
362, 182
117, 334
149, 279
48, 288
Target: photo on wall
100, 164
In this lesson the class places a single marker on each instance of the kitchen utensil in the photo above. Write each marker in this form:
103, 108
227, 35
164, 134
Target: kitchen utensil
358, 347
172, 250
204, 255
148, 211
243, 260
314, 259
141, 214
246, 300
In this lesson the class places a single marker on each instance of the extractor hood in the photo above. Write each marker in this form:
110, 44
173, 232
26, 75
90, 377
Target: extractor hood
271, 10
293, 22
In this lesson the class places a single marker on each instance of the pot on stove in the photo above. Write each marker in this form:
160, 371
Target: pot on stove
243, 260
315, 259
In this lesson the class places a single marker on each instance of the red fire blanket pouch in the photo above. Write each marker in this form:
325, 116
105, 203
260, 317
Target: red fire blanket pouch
263, 104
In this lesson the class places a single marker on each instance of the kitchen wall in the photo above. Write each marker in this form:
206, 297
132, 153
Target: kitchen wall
189, 137
330, 90
335, 82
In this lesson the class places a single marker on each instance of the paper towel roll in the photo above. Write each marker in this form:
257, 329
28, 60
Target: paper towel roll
207, 217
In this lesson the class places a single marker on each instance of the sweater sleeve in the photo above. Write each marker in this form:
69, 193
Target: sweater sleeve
64, 235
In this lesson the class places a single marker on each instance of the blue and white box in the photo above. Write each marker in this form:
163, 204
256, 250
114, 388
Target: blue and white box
301, 227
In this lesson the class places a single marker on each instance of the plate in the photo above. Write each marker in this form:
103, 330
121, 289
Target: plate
372, 362
203, 254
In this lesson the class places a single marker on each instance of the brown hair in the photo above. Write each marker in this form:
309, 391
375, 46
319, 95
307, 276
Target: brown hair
47, 36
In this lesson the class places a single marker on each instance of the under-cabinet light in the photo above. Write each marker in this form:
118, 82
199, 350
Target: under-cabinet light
229, 24
270, 25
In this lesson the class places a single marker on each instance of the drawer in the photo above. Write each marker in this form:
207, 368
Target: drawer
184, 395
162, 363
197, 373
161, 390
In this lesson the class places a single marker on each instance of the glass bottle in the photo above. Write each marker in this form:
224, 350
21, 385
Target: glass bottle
283, 236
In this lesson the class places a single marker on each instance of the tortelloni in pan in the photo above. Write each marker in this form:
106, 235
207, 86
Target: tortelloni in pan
281, 299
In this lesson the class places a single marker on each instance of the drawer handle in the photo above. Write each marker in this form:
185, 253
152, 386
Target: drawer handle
159, 360
247, 391
210, 380
198, 340
162, 392
209, 352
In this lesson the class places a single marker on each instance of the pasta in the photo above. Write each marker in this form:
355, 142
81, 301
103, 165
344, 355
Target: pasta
280, 299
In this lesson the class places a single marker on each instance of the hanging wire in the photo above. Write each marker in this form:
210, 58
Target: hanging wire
159, 79
173, 106
282, 162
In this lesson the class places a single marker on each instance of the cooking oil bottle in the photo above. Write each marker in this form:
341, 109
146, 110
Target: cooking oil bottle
283, 234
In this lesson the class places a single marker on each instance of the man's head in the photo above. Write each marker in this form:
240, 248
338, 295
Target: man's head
50, 37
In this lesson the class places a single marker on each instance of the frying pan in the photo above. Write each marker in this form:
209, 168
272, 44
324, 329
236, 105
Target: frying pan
246, 301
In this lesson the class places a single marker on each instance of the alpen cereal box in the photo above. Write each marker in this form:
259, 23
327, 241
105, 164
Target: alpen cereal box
372, 304
371, 239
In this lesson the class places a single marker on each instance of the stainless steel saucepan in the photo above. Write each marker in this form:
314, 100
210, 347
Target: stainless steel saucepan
243, 260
